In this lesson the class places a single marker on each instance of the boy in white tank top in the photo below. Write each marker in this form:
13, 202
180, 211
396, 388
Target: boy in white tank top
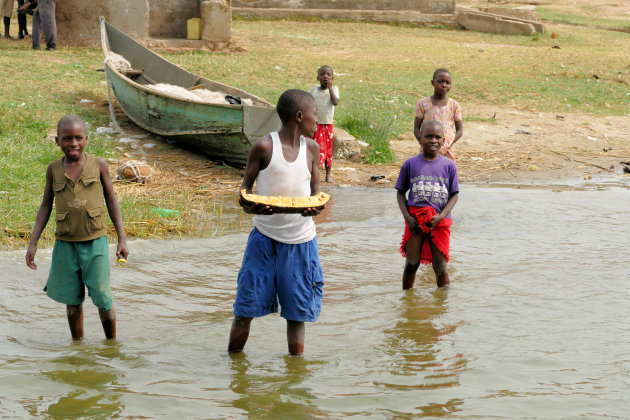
281, 261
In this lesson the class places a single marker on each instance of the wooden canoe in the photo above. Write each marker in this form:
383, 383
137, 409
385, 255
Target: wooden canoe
221, 131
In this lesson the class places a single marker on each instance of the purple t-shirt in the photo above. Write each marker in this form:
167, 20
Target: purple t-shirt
429, 182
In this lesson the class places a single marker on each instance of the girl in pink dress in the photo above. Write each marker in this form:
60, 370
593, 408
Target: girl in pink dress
443, 109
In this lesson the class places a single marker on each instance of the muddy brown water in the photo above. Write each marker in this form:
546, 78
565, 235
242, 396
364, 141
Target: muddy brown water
536, 324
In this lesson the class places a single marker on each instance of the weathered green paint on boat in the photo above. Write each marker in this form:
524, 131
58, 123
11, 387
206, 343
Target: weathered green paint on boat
223, 132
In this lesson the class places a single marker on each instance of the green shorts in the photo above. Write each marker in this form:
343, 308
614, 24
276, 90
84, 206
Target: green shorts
76, 265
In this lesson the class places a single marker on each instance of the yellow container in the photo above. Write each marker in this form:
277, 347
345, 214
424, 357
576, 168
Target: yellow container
194, 28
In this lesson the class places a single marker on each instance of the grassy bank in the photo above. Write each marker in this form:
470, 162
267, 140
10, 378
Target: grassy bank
382, 71
585, 16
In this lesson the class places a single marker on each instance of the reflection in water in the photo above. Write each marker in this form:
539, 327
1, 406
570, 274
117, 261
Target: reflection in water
273, 390
92, 384
415, 344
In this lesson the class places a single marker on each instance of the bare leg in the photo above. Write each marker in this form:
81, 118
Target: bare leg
239, 333
329, 173
412, 262
108, 319
443, 280
75, 320
295, 337
439, 266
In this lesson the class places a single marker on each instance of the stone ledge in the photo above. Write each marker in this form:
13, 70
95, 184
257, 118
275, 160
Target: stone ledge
485, 22
422, 6
179, 44
409, 16
522, 12
345, 146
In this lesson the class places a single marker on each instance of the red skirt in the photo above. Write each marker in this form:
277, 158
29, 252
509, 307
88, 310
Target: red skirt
324, 137
440, 235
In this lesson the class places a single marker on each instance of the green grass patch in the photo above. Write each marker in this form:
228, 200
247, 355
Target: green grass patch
587, 18
375, 128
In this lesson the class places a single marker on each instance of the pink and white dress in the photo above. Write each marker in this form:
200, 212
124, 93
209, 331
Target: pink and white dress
447, 115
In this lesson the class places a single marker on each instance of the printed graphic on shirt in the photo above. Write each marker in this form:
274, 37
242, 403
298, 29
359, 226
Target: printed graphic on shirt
77, 203
429, 189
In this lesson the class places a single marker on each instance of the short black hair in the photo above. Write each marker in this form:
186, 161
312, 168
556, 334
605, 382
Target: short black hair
326, 67
292, 101
438, 71
428, 123
74, 119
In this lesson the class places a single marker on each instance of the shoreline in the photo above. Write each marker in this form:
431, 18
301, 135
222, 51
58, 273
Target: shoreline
514, 147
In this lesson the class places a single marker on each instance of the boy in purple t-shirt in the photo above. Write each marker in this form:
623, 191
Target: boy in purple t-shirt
431, 180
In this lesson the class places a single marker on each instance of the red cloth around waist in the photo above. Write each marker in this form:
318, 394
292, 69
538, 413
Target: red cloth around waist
324, 137
440, 235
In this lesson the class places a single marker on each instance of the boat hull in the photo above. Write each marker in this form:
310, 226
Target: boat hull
223, 132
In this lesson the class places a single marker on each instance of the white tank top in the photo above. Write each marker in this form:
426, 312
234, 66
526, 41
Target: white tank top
288, 179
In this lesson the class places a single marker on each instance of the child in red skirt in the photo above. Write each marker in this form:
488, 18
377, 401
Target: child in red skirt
431, 180
327, 97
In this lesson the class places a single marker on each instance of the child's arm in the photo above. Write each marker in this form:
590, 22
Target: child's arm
459, 130
313, 164
412, 222
417, 124
459, 125
445, 211
113, 208
258, 158
333, 97
43, 214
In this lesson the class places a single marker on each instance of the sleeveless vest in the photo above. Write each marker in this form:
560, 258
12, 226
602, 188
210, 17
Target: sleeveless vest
285, 179
80, 207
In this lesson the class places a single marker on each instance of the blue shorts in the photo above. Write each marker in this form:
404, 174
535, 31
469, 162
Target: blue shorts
273, 271
77, 265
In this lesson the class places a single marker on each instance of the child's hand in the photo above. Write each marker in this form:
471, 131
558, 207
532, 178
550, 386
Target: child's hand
30, 257
329, 83
255, 208
122, 250
313, 211
414, 226
435, 220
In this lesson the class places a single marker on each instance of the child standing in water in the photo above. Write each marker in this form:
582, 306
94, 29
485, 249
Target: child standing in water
431, 180
281, 261
327, 97
79, 185
440, 107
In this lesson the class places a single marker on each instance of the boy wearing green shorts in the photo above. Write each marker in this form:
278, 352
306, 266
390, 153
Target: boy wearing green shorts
79, 184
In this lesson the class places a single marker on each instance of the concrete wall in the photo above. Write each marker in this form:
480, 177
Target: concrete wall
422, 6
77, 20
167, 18
143, 20
346, 14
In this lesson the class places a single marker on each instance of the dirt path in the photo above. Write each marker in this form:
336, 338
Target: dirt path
521, 146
